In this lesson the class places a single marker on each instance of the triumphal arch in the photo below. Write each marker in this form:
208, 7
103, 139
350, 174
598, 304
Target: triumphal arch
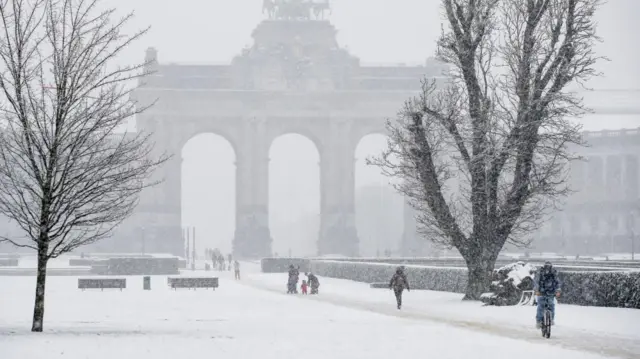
293, 79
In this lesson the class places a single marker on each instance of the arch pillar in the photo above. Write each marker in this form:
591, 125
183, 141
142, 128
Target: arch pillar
159, 222
252, 237
338, 233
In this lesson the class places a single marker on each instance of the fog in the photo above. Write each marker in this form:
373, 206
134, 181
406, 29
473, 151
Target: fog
376, 31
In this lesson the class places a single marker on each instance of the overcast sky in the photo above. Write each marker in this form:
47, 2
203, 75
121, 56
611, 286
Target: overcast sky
376, 31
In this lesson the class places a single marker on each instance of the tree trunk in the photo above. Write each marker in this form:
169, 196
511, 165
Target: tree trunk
479, 269
38, 309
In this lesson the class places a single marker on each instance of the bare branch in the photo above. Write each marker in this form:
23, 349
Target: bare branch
485, 158
68, 174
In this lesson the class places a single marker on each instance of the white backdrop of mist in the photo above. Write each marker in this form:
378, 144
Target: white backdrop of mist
376, 31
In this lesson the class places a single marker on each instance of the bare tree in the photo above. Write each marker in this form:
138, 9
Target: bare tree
68, 175
484, 157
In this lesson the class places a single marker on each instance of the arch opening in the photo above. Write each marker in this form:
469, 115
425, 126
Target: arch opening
209, 192
379, 207
294, 195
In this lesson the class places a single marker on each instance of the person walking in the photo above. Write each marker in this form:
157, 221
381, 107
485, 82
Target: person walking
398, 284
236, 268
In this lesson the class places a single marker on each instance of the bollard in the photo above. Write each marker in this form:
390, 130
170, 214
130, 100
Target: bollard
146, 283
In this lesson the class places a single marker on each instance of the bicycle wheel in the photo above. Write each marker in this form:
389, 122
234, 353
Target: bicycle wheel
547, 323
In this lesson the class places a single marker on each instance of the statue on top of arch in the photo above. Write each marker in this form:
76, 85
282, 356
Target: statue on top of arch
296, 9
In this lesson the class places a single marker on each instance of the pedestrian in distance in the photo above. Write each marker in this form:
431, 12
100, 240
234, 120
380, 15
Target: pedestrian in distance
398, 284
236, 267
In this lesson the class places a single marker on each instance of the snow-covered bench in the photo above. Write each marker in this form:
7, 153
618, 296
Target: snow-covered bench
102, 283
192, 282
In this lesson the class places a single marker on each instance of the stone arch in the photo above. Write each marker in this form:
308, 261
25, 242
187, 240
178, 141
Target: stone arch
311, 133
379, 209
294, 225
228, 130
360, 131
211, 209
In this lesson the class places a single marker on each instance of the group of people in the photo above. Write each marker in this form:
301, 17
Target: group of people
547, 287
219, 263
218, 260
311, 282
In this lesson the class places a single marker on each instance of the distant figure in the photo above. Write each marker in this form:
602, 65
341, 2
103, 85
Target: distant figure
399, 283
314, 283
303, 287
230, 259
236, 267
292, 282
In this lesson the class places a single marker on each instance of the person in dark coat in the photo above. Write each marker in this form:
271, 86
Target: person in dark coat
398, 284
314, 283
546, 286
292, 282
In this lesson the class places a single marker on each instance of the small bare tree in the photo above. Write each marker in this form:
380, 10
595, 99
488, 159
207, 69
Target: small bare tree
68, 177
484, 157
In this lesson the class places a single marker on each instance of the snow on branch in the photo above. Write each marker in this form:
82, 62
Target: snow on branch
485, 157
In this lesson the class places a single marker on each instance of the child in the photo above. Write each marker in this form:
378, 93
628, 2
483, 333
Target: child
304, 287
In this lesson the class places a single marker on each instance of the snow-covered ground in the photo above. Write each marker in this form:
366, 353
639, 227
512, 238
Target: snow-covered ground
608, 331
254, 319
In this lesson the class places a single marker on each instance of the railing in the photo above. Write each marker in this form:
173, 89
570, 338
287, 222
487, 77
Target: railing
612, 133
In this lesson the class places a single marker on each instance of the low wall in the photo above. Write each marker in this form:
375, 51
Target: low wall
8, 262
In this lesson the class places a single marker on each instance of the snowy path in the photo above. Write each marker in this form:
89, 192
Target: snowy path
236, 321
605, 331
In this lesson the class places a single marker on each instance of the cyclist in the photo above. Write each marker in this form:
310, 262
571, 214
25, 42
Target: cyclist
546, 286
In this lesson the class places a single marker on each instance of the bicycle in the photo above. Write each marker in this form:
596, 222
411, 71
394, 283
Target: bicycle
547, 319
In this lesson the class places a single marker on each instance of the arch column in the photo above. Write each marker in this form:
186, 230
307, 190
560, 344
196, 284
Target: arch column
159, 223
338, 233
252, 236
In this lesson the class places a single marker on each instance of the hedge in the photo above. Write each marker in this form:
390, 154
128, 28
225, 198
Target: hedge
446, 279
281, 265
601, 289
594, 288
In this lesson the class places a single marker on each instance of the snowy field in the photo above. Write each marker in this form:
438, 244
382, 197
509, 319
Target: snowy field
254, 319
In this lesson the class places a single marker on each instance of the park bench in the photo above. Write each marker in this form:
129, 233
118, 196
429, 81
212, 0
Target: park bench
102, 283
192, 282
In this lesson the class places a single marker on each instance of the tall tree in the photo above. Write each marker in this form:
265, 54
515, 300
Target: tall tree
68, 177
484, 155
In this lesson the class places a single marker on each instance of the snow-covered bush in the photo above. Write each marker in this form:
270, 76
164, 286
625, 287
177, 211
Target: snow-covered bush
602, 289
508, 284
